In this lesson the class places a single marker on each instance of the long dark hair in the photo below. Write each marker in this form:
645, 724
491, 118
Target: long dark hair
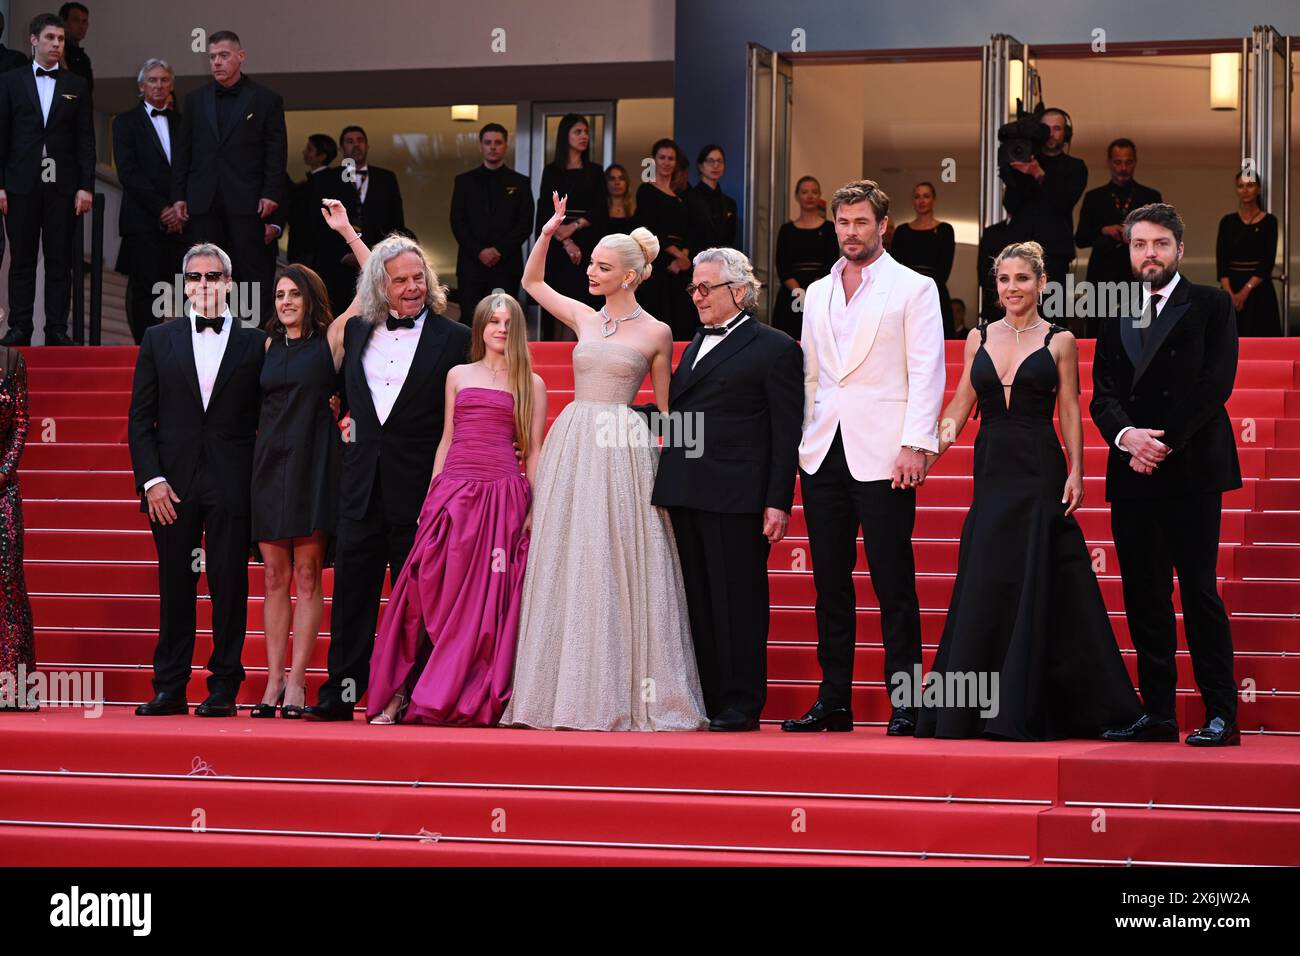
570, 120
316, 314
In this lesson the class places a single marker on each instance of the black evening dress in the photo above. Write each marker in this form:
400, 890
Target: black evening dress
588, 199
804, 255
299, 449
929, 252
1243, 251
663, 295
17, 647
1026, 605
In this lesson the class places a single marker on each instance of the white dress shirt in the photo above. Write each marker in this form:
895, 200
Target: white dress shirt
209, 348
387, 361
45, 90
162, 128
846, 313
363, 182
711, 342
1163, 292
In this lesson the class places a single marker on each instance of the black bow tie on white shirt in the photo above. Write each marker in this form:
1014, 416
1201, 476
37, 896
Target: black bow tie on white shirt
722, 329
394, 322
200, 323
52, 74
158, 112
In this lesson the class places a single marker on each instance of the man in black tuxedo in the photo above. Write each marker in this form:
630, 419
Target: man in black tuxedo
395, 375
153, 235
10, 59
311, 241
1101, 219
47, 178
378, 195
229, 165
738, 392
491, 218
195, 402
1160, 386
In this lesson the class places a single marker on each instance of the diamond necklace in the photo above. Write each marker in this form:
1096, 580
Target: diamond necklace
605, 328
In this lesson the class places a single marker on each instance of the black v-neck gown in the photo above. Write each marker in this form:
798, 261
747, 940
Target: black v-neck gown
1026, 604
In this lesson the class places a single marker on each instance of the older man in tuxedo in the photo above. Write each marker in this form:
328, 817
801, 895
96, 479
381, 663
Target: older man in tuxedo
195, 402
153, 233
47, 179
726, 476
874, 376
1161, 383
229, 164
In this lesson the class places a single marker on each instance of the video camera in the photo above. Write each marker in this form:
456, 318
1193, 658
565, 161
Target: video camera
1022, 139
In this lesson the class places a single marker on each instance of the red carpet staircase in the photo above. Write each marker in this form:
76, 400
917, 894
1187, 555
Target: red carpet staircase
115, 789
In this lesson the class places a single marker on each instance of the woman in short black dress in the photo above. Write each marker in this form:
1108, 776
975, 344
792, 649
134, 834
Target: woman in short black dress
1244, 255
805, 251
927, 245
664, 213
571, 173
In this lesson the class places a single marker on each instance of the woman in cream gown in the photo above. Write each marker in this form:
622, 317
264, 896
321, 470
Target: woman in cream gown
604, 638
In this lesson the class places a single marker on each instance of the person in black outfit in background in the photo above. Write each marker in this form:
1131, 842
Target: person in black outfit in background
571, 173
664, 213
11, 59
927, 246
1041, 194
380, 212
1101, 219
193, 420
47, 178
491, 217
311, 242
153, 235
76, 18
229, 165
1244, 253
806, 248
712, 212
1160, 386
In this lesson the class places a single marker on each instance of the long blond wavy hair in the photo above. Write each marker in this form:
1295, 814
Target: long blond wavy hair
519, 365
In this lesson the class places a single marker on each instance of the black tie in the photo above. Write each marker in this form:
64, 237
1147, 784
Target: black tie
1148, 318
154, 112
394, 323
200, 323
52, 74
720, 329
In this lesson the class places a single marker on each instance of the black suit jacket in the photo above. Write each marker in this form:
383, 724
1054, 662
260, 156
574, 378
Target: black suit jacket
748, 393
401, 450
12, 59
68, 138
168, 428
245, 165
1044, 212
1180, 383
491, 209
311, 241
1109, 261
381, 213
142, 169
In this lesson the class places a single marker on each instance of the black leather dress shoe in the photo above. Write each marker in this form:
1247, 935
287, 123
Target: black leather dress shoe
902, 723
14, 337
57, 337
1145, 730
333, 710
217, 707
162, 706
733, 721
1217, 733
820, 717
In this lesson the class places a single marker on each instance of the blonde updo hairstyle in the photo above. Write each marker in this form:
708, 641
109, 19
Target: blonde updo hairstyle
1031, 252
635, 251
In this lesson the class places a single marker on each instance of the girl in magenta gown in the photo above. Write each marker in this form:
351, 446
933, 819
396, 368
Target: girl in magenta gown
445, 650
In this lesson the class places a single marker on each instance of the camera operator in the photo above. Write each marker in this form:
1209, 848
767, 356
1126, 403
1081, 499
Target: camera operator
1041, 191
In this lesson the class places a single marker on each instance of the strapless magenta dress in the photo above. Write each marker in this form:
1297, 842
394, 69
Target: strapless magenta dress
450, 627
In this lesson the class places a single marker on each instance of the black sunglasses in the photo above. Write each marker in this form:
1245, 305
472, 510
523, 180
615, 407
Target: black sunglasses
210, 276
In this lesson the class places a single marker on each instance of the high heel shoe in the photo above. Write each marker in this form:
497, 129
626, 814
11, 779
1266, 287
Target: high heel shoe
294, 711
403, 701
267, 710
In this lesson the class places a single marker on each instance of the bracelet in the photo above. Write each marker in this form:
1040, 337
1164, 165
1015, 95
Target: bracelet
355, 238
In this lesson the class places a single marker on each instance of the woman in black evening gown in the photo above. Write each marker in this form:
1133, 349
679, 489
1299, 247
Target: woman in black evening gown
572, 174
665, 214
17, 647
1026, 606
927, 246
806, 248
1244, 255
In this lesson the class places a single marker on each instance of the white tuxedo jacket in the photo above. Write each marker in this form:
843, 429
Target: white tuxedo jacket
887, 391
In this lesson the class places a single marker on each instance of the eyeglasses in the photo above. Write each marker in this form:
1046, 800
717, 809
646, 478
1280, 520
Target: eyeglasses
705, 289
210, 276
713, 159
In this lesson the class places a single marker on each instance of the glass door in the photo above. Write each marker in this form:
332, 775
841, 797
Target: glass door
767, 158
1266, 141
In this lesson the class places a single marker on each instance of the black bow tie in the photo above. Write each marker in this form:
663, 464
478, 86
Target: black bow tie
162, 112
721, 329
200, 323
52, 74
394, 323
227, 90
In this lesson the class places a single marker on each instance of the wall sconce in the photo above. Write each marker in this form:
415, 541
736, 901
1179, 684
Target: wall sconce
464, 114
1225, 86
